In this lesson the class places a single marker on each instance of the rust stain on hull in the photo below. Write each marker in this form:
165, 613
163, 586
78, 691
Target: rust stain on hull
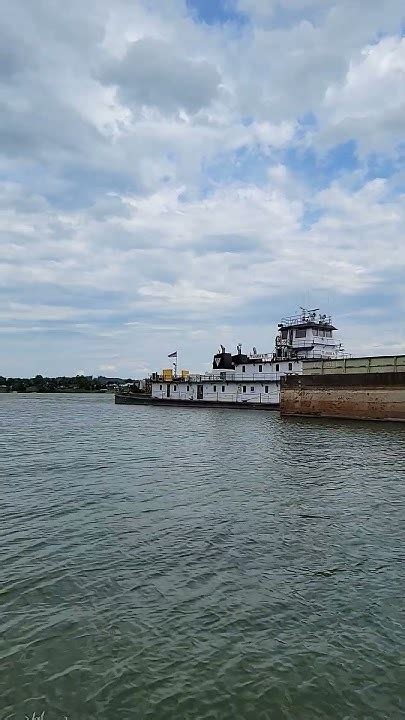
369, 404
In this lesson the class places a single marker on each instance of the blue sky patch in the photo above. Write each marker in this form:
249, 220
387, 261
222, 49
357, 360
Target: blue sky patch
216, 12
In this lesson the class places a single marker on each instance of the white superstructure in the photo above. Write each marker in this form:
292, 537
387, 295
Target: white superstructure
255, 378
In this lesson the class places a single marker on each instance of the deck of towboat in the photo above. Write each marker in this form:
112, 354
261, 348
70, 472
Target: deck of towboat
144, 399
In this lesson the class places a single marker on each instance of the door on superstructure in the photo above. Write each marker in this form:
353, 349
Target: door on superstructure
200, 392
168, 389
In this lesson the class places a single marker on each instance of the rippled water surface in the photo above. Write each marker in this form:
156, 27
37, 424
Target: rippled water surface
183, 563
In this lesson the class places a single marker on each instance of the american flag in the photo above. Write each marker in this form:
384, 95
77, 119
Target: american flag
173, 354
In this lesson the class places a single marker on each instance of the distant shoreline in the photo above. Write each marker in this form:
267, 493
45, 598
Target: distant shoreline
40, 384
57, 392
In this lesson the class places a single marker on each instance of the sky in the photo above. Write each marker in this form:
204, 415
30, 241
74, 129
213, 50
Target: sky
178, 174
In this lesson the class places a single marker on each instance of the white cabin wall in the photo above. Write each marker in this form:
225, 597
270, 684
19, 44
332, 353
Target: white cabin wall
270, 370
318, 341
299, 339
213, 391
270, 376
324, 344
234, 392
159, 390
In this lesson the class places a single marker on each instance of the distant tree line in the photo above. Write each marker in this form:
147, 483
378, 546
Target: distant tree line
78, 383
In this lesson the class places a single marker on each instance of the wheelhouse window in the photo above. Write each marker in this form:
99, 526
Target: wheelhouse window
284, 334
252, 389
300, 333
244, 388
260, 368
266, 388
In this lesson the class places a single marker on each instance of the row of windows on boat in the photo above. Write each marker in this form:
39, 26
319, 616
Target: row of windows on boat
302, 333
223, 388
290, 367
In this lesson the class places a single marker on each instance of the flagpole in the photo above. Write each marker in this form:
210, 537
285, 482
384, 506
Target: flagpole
174, 355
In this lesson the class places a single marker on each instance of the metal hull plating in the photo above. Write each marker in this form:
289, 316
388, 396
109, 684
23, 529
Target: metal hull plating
361, 396
129, 399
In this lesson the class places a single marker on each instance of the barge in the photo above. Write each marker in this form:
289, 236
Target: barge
365, 388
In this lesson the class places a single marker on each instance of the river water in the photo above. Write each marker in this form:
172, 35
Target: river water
195, 564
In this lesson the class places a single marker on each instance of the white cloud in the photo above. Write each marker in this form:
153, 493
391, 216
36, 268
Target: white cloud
369, 105
297, 50
153, 73
185, 267
149, 196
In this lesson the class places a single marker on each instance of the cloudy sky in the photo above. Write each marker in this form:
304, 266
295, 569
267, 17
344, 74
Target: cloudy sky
178, 174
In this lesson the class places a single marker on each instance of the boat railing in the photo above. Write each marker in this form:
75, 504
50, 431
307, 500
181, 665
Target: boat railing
244, 379
305, 317
240, 378
239, 397
298, 344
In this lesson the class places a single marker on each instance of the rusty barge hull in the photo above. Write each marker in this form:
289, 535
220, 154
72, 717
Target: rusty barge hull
361, 396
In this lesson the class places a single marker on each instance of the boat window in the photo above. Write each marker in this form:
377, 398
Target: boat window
223, 388
244, 388
174, 387
266, 388
300, 333
160, 387
243, 368
277, 368
284, 334
260, 368
252, 389
214, 387
188, 388
290, 366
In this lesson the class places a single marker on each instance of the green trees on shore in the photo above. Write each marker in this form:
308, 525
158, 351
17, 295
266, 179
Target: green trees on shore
78, 383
